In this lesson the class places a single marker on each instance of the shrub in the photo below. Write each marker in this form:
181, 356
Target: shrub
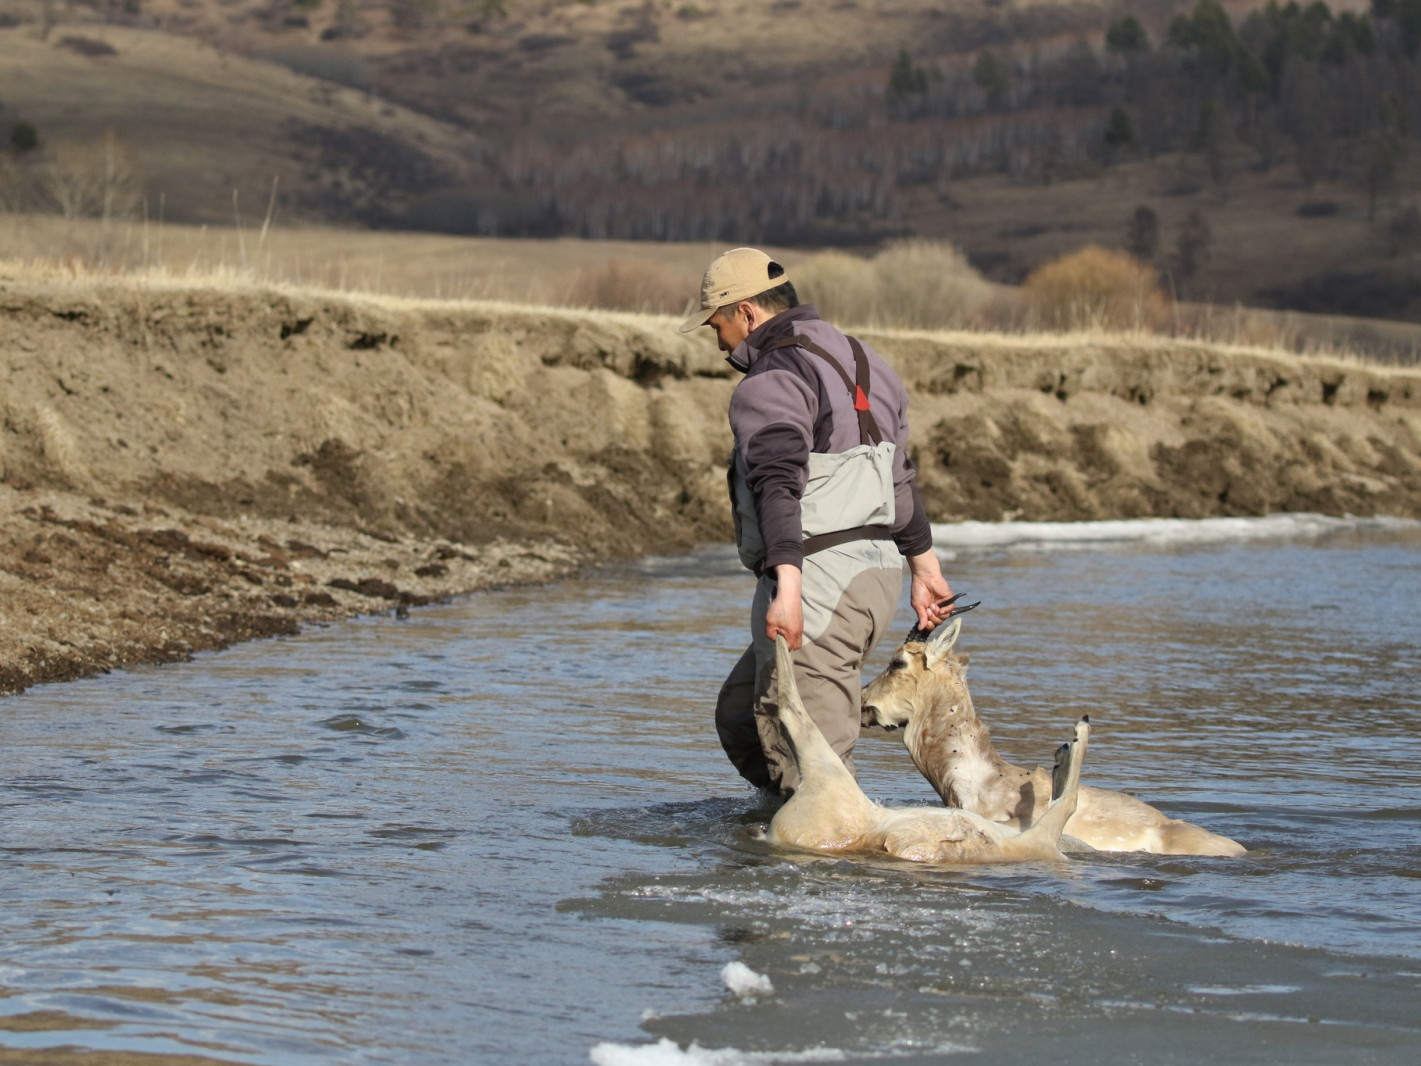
631, 285
913, 284
88, 46
906, 78
23, 138
1191, 248
1096, 288
98, 180
1119, 130
1142, 233
1405, 229
1126, 36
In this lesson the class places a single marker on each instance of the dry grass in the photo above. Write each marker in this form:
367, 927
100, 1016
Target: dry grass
634, 285
908, 285
1260, 241
565, 272
913, 286
202, 124
203, 121
1226, 332
1096, 287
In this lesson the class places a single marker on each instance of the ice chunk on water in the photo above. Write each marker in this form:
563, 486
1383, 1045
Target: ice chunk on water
1160, 531
745, 982
661, 1053
665, 1053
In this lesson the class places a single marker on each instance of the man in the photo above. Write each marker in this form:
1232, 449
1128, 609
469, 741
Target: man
825, 508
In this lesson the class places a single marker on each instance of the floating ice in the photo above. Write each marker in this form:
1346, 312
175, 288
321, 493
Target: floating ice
1244, 990
960, 536
745, 982
666, 1053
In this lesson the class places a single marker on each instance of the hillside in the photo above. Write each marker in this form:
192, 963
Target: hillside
184, 465
800, 123
206, 131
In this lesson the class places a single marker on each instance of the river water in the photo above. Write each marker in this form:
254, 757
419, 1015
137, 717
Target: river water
501, 830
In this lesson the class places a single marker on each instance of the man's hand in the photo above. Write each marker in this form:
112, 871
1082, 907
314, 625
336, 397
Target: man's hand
929, 588
786, 614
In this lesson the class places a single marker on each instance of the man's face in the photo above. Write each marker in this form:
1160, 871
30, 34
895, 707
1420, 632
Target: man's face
731, 325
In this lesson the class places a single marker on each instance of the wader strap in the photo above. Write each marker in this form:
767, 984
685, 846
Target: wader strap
824, 541
869, 433
844, 536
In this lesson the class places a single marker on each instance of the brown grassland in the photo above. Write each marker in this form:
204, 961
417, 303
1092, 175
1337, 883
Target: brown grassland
556, 272
208, 101
206, 125
922, 284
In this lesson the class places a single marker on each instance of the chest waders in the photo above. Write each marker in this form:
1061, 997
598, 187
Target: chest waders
852, 582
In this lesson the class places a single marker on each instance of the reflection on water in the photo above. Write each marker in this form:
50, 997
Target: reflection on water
501, 831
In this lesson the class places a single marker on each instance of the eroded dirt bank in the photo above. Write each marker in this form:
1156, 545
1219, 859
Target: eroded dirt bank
183, 466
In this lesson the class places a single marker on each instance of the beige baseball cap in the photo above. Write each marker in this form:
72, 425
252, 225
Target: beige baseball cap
737, 275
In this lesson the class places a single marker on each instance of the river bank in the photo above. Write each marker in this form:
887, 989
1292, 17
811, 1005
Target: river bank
187, 464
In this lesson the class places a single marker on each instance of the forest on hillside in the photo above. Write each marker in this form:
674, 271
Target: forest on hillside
1333, 96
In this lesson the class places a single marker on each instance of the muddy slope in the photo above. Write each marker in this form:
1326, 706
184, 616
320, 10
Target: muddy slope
184, 466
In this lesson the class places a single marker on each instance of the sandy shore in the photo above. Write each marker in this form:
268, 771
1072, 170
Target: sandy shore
183, 465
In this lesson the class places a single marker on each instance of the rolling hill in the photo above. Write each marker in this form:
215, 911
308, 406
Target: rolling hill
719, 121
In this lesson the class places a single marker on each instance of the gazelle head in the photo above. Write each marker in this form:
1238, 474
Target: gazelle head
915, 678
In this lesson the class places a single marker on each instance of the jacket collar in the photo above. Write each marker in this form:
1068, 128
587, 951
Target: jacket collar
784, 324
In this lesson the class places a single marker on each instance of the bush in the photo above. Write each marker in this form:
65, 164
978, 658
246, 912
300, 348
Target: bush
906, 78
914, 284
1142, 233
88, 46
24, 138
97, 180
630, 285
1096, 288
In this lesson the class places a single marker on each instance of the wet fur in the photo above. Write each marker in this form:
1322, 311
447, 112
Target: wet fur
925, 690
829, 812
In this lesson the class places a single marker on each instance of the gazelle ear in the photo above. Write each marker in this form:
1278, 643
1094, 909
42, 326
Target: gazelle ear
941, 642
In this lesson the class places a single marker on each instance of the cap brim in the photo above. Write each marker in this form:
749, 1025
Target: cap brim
697, 319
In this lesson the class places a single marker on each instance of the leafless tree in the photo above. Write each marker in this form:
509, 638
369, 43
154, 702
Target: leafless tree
99, 180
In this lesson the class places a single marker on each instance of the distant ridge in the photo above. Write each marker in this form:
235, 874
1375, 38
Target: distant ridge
1019, 130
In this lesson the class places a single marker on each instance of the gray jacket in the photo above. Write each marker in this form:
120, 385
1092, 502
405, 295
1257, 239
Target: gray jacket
800, 467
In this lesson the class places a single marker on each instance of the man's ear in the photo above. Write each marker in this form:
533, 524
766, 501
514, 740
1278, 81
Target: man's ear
754, 313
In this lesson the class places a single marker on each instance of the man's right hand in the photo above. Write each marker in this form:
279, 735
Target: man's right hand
786, 614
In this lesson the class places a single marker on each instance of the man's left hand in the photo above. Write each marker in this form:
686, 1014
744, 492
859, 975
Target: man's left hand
929, 588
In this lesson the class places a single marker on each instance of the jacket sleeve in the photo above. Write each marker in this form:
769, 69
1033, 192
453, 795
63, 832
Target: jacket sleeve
772, 416
912, 532
916, 535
